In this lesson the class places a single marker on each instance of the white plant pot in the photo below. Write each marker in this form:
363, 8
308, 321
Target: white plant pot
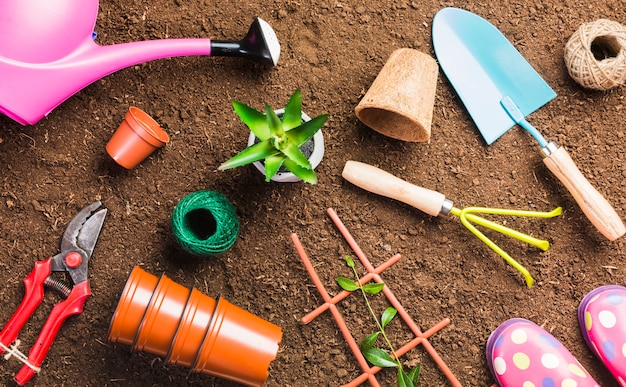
315, 158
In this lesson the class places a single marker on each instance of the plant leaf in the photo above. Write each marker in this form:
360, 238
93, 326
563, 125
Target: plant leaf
253, 153
306, 174
255, 120
294, 154
349, 261
304, 132
387, 316
368, 341
379, 358
276, 127
272, 165
347, 284
374, 288
293, 111
404, 380
415, 374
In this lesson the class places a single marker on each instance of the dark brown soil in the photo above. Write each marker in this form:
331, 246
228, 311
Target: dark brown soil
332, 51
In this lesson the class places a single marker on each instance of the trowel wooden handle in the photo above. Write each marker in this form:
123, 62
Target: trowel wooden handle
384, 183
593, 204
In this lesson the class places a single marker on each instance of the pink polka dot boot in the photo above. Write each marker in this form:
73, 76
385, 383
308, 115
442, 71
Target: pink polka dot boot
602, 318
521, 353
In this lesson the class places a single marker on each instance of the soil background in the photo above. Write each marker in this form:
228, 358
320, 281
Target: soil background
332, 51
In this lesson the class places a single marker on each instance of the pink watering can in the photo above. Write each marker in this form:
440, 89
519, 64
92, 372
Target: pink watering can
48, 53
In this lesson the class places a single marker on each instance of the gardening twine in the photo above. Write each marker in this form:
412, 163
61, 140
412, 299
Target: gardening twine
199, 205
584, 67
12, 351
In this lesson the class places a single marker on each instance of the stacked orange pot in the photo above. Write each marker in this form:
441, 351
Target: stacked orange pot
215, 337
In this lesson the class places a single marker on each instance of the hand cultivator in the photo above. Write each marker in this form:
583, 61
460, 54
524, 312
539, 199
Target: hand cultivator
434, 203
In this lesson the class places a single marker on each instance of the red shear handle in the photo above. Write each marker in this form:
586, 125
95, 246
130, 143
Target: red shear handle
33, 295
72, 305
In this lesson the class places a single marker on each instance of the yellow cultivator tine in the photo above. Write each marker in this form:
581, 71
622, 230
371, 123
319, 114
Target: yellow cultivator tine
467, 217
527, 277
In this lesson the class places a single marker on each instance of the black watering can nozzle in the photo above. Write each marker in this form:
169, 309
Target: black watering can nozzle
260, 43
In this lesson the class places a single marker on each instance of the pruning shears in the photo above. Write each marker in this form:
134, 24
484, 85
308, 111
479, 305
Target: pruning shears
77, 245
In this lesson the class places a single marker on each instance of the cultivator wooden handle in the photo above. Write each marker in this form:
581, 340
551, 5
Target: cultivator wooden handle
594, 205
384, 183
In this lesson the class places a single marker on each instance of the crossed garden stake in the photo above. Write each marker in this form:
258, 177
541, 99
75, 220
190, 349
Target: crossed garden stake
373, 273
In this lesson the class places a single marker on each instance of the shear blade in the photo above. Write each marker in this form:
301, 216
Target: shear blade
81, 236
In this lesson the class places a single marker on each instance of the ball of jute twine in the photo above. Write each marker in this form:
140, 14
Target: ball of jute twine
205, 223
595, 55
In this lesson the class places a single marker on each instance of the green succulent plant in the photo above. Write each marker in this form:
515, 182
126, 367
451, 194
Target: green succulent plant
280, 139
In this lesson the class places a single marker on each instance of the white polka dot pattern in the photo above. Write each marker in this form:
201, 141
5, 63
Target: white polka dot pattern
521, 353
602, 318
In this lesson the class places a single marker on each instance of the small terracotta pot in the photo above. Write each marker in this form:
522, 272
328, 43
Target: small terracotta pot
136, 138
132, 306
162, 317
192, 329
239, 346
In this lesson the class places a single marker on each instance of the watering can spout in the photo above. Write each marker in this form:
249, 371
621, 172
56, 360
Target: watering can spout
29, 91
259, 43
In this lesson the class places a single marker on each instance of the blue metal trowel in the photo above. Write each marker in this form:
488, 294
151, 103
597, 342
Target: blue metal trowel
499, 88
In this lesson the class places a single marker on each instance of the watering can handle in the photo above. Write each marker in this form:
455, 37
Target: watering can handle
383, 183
594, 205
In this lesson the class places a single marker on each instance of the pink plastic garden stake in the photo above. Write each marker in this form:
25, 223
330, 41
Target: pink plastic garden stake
48, 53
330, 303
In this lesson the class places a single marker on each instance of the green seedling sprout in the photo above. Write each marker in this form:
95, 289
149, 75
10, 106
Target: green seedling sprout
280, 139
375, 355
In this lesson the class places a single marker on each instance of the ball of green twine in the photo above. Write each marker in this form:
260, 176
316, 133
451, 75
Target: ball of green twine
205, 223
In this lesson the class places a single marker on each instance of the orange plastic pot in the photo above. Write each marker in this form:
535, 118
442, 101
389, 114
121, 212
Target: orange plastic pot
239, 346
136, 138
192, 329
163, 315
132, 306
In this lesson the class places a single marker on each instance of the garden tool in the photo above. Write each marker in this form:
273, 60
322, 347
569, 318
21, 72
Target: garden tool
434, 203
48, 53
77, 245
499, 89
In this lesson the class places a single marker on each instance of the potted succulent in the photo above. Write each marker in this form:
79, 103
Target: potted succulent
285, 145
